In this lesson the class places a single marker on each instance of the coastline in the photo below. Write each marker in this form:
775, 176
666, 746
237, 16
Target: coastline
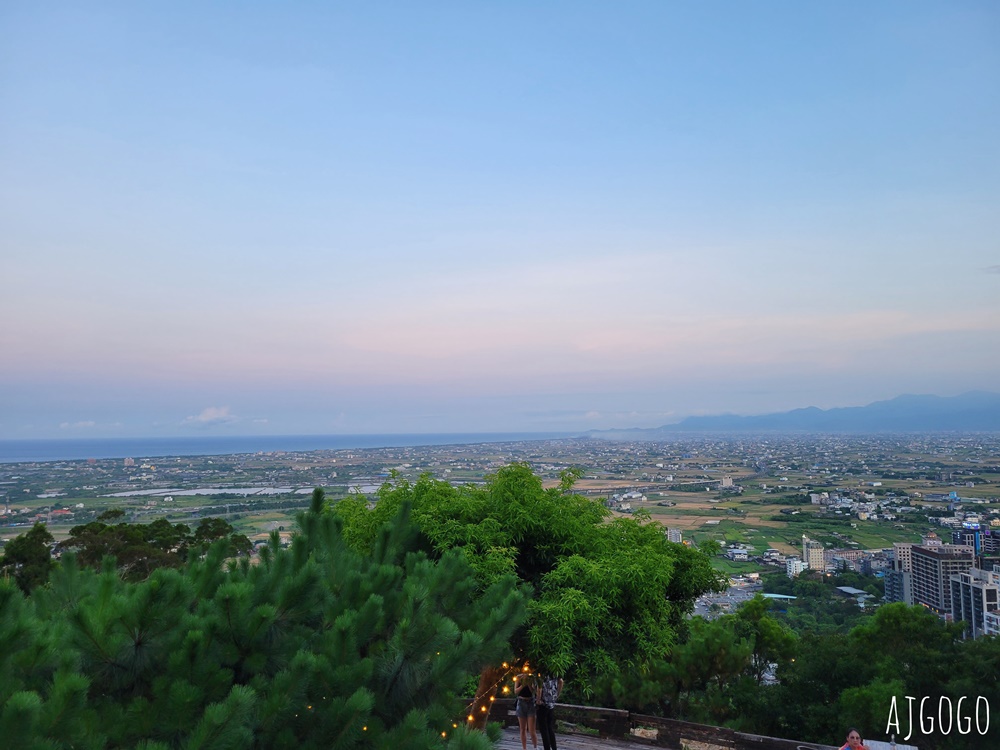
82, 449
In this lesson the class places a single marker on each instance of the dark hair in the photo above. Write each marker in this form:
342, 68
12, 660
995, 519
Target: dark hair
855, 729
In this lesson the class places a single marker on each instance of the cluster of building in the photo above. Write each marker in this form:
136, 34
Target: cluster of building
47, 515
865, 506
815, 556
622, 501
960, 581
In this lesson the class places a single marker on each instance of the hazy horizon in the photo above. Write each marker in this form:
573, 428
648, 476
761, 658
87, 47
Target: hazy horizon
446, 217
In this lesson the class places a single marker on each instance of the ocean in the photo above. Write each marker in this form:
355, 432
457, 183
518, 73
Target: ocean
13, 451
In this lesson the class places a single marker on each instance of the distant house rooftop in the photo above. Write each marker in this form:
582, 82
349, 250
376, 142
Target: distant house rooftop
851, 591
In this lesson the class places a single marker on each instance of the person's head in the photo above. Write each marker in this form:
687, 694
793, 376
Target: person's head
853, 738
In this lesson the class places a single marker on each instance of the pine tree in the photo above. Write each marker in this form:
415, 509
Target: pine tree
315, 646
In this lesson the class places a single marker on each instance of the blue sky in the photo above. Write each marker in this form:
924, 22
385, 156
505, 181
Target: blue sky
253, 218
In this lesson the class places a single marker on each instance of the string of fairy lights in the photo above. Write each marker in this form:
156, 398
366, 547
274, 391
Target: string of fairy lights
490, 692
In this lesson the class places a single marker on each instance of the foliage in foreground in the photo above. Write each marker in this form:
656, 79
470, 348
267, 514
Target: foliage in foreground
610, 594
826, 681
317, 646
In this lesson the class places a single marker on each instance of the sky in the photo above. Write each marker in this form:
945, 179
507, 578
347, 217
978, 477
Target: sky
395, 217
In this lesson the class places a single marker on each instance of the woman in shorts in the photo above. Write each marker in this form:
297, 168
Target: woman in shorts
525, 708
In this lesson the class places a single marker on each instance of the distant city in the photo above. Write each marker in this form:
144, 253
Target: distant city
920, 512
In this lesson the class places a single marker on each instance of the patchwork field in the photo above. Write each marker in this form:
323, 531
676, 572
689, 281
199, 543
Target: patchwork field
763, 525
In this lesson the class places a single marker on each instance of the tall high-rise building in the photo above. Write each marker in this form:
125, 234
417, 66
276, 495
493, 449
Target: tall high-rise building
897, 579
674, 535
973, 594
933, 568
898, 586
902, 558
812, 554
978, 536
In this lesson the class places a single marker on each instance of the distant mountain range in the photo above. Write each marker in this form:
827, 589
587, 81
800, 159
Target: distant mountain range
977, 411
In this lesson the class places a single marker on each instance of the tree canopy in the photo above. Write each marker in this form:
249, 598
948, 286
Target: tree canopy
28, 557
826, 679
610, 594
317, 646
141, 548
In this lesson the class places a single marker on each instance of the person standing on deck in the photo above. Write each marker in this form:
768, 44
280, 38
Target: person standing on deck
545, 704
525, 709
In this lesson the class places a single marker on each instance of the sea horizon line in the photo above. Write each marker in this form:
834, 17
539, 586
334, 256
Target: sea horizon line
27, 450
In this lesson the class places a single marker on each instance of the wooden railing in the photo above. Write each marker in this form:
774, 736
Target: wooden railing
655, 730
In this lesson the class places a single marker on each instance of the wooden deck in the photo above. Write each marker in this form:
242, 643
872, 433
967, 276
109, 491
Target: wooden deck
511, 740
658, 733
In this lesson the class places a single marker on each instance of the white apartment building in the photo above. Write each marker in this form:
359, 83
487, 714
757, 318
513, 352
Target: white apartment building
974, 594
794, 566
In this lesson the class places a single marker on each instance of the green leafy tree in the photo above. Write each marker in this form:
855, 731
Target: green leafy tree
139, 549
610, 595
810, 687
868, 705
839, 679
773, 643
705, 666
909, 644
715, 673
28, 557
211, 530
112, 515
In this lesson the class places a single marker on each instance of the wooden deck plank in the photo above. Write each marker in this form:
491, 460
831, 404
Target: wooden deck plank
511, 740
